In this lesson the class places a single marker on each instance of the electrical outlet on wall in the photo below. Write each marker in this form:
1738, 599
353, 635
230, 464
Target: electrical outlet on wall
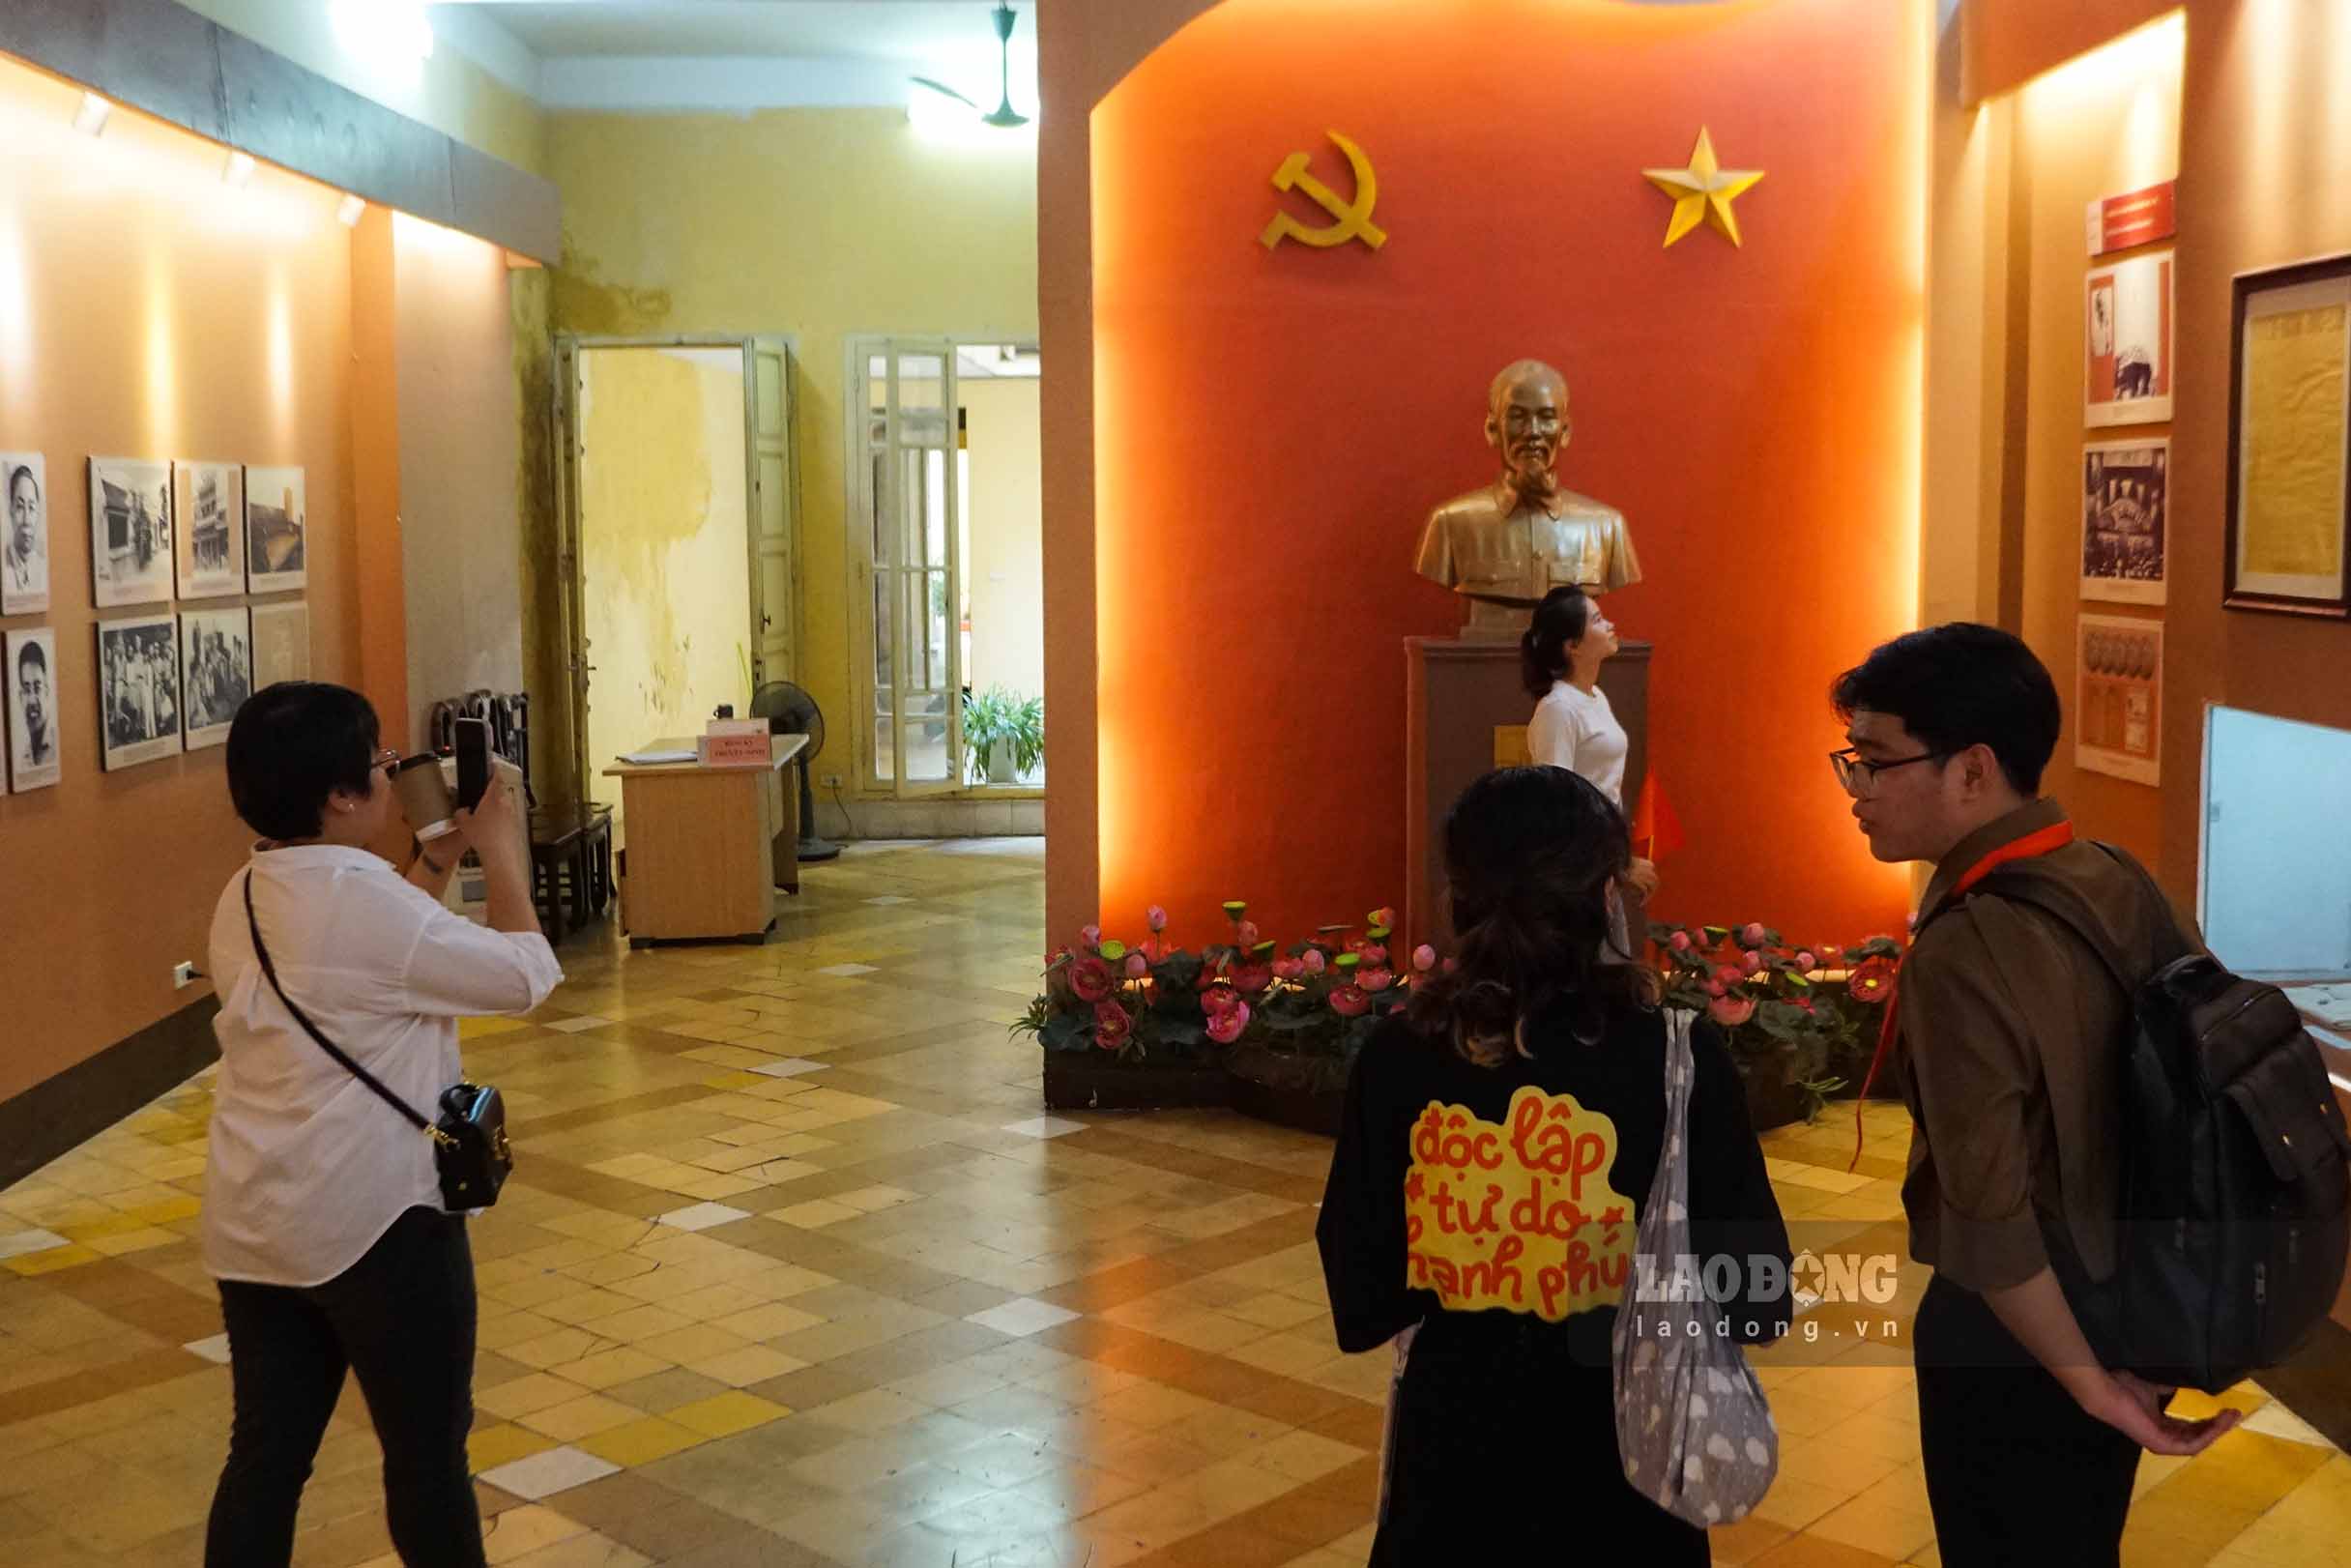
182, 975
830, 781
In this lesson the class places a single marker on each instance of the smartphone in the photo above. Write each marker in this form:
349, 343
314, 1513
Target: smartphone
473, 761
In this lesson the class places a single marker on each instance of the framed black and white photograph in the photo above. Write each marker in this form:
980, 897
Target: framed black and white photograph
215, 673
24, 534
31, 665
129, 531
275, 523
2288, 530
208, 501
281, 643
2124, 507
138, 689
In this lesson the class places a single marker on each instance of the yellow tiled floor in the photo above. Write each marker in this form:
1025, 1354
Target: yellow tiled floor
786, 1275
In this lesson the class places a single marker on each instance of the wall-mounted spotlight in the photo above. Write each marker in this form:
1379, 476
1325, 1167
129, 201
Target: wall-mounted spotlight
92, 117
351, 211
237, 171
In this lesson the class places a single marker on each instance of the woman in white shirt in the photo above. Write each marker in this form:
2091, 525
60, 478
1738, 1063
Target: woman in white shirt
323, 1220
1559, 658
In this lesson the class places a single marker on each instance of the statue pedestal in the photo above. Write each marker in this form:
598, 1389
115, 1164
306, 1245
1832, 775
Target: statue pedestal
1457, 693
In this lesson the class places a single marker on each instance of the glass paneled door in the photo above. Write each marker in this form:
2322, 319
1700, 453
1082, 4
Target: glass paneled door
917, 745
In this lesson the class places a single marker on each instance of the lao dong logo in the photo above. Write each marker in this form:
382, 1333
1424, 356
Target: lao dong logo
1839, 1279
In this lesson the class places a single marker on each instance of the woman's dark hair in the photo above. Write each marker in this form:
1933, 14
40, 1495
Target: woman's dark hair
1559, 623
1531, 854
291, 746
1960, 685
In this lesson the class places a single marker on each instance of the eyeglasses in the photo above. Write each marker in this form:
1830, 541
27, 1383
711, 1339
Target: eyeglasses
387, 759
1859, 777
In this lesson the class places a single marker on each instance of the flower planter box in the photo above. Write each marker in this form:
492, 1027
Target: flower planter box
1090, 1081
1771, 1102
1305, 1093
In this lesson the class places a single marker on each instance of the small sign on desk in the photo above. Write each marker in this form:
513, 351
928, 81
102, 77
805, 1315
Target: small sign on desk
735, 743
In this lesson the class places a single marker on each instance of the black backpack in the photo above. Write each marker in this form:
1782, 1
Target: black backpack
2236, 1173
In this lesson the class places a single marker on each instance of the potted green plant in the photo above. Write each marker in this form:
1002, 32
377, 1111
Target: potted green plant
1004, 735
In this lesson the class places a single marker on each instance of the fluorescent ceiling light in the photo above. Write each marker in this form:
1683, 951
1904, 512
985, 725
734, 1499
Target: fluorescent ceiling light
91, 119
237, 171
350, 210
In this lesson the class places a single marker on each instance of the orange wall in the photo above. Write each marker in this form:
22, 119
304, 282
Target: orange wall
1272, 428
146, 309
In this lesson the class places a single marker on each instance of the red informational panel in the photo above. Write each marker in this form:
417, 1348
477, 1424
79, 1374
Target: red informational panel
2142, 217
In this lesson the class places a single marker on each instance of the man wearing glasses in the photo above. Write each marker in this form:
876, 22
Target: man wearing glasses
2010, 1035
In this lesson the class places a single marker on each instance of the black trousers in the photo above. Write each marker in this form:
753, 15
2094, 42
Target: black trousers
402, 1320
2017, 1471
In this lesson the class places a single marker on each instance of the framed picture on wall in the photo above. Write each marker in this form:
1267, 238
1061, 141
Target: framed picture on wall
2118, 702
138, 691
129, 531
24, 534
216, 672
2128, 321
32, 742
2288, 545
208, 501
2125, 496
281, 643
277, 524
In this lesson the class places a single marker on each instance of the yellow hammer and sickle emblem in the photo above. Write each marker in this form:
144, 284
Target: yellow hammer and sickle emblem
1352, 220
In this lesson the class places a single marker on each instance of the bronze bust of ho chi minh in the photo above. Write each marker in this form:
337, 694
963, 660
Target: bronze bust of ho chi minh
1504, 546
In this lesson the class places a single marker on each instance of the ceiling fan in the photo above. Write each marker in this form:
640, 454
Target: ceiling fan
1003, 116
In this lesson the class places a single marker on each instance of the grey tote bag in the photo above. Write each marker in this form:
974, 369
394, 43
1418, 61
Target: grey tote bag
1692, 1427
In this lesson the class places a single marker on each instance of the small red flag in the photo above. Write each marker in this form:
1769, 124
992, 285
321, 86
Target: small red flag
1657, 832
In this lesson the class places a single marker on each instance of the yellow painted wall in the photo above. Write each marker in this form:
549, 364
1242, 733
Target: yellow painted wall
1004, 566
816, 222
448, 91
663, 546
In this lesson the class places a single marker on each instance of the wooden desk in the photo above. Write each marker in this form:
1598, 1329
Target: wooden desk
708, 847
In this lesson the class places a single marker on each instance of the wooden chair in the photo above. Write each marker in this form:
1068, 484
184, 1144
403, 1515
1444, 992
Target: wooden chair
571, 862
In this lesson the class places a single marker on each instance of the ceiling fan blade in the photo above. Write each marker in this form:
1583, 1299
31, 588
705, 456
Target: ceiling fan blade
942, 87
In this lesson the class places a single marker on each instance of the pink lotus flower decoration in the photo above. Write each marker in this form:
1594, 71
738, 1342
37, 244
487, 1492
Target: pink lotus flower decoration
1872, 981
1451, 965
1754, 935
1219, 1001
1716, 988
1375, 980
1248, 934
1289, 969
1090, 980
1112, 1026
1226, 1027
1383, 918
1732, 1011
1155, 918
1424, 959
1679, 942
1350, 1002
1250, 979
1137, 966
1808, 961
1314, 961
1089, 935
1728, 974
1752, 962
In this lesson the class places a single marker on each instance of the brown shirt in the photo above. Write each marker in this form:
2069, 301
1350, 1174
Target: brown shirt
2013, 1034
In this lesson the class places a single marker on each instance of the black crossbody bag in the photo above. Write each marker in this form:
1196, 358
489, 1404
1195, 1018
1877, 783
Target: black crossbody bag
470, 1147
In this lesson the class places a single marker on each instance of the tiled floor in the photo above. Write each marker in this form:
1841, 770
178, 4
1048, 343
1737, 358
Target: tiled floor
793, 1272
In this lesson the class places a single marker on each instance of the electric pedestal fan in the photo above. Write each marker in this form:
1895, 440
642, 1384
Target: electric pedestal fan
791, 710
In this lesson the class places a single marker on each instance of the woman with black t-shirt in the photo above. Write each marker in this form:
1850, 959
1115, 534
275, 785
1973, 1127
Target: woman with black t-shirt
1498, 1146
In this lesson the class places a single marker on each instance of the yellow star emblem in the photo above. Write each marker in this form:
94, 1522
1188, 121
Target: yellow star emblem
1705, 191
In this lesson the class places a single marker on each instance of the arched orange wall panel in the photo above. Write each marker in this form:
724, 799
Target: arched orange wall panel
1271, 427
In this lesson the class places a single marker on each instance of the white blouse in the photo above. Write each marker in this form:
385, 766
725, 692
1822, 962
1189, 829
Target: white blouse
308, 1167
1577, 730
